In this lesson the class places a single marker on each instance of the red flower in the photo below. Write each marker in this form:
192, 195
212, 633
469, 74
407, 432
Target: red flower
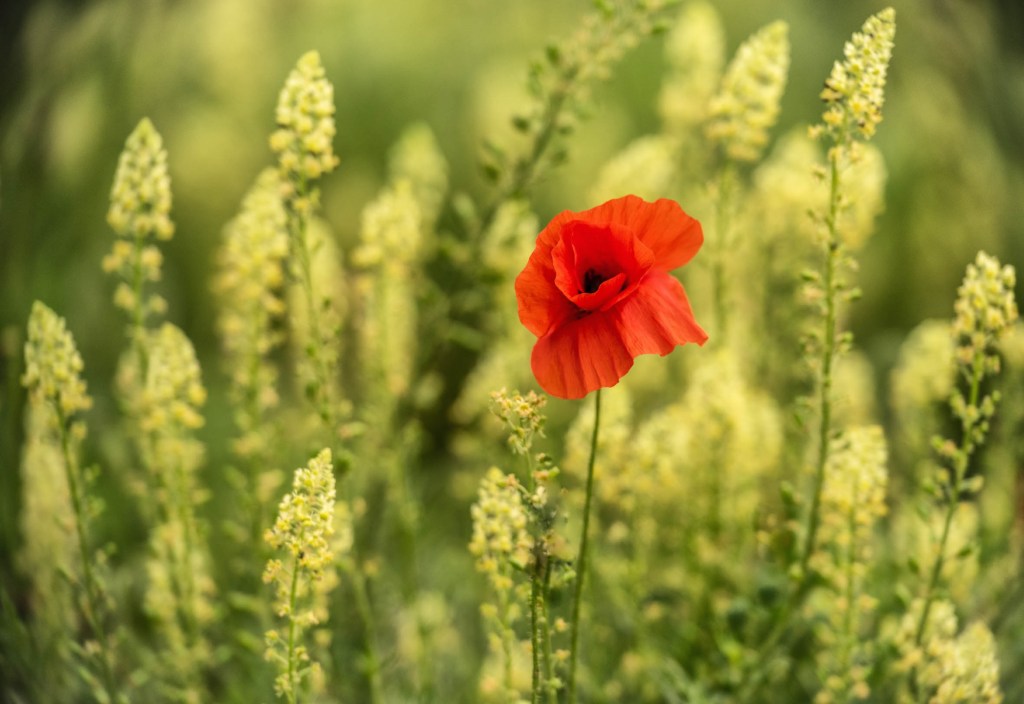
597, 292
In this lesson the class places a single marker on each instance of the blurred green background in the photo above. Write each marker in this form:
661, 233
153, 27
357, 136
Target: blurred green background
78, 76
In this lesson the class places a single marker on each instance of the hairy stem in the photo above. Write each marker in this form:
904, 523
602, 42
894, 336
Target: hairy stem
549, 673
581, 559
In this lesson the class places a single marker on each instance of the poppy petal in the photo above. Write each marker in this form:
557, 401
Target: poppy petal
581, 356
595, 267
663, 226
541, 305
657, 317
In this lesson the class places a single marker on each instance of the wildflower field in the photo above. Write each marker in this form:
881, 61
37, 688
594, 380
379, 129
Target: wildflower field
456, 352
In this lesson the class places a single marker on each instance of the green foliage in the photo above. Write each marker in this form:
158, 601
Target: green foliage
760, 528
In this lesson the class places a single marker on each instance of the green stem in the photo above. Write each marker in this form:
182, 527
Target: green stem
92, 606
293, 680
967, 446
139, 314
187, 519
581, 559
322, 387
549, 673
535, 628
828, 354
803, 584
846, 648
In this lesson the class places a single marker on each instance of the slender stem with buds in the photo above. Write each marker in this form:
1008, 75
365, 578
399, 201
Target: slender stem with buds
93, 595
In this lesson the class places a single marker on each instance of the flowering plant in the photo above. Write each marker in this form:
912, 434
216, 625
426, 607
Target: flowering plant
597, 293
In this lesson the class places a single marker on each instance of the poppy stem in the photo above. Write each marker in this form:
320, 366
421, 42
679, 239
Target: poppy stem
581, 560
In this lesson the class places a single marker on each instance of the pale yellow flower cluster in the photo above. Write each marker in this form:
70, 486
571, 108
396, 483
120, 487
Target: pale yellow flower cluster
863, 196
304, 526
417, 158
304, 531
500, 537
305, 121
852, 503
922, 379
694, 54
967, 669
747, 104
949, 668
985, 308
523, 415
173, 393
392, 240
49, 553
140, 200
855, 90
395, 229
250, 283
140, 207
782, 195
644, 168
392, 229
853, 496
53, 367
179, 598
251, 273
711, 450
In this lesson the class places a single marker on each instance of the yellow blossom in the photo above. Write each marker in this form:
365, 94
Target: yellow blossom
747, 104
854, 91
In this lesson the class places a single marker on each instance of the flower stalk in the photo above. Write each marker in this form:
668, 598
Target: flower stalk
53, 368
985, 310
829, 350
581, 559
93, 594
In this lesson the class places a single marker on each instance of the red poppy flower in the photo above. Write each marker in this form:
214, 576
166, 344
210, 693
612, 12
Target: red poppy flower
597, 293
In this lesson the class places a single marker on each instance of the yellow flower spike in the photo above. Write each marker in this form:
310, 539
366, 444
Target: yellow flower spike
303, 530
854, 91
305, 120
747, 104
140, 199
53, 366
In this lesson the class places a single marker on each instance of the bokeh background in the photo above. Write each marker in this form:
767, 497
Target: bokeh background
78, 76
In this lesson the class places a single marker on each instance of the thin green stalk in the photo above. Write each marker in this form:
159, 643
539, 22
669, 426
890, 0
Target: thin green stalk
92, 590
959, 469
293, 681
188, 579
539, 566
581, 559
139, 315
845, 653
322, 399
549, 672
535, 631
828, 354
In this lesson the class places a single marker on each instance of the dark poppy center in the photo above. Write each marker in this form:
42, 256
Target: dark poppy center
592, 280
